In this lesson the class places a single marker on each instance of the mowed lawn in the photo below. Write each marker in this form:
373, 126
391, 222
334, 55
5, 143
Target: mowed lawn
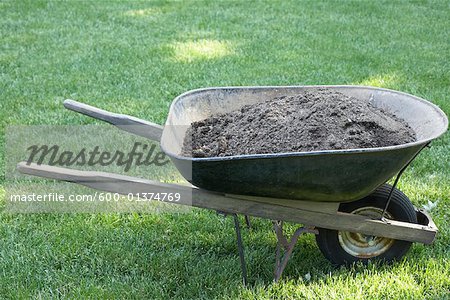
134, 58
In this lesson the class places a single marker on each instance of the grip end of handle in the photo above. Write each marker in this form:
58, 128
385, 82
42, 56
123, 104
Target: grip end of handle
69, 103
23, 167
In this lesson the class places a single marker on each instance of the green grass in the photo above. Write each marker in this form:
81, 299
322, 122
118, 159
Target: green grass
134, 58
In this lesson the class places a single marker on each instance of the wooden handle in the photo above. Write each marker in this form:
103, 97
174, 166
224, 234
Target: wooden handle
126, 123
204, 199
103, 181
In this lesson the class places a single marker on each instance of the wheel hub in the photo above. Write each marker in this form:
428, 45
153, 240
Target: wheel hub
361, 245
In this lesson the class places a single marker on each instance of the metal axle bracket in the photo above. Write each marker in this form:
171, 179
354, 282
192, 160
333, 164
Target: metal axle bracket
388, 199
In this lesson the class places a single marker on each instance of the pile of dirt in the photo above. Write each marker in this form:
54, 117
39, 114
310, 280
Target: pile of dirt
319, 119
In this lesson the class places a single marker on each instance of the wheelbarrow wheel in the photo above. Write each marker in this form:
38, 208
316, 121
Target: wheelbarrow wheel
344, 248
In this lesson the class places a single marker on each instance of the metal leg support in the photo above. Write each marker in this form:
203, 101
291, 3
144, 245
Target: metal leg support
282, 241
240, 248
247, 221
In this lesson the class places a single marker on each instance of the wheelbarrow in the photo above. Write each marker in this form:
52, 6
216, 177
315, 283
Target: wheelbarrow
341, 196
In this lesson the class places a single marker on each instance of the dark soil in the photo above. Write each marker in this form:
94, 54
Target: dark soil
313, 120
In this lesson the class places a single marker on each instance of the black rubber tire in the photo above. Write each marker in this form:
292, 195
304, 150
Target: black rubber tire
400, 208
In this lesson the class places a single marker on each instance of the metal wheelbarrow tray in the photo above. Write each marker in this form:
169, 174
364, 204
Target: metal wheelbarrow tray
338, 194
332, 175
